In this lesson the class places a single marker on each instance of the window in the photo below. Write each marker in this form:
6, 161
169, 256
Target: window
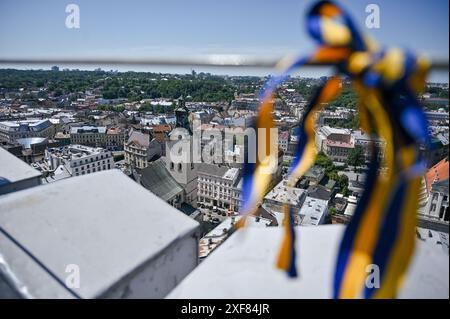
179, 167
171, 166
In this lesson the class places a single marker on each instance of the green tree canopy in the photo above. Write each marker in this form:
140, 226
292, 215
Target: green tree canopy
356, 156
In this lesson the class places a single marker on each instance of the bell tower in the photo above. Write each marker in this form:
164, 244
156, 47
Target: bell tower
184, 172
182, 115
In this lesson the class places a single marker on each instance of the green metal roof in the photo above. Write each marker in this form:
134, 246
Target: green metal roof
157, 179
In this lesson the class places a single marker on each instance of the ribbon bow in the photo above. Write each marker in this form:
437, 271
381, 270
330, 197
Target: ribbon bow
382, 229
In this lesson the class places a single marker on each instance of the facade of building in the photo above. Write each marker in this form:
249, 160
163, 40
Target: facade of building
283, 141
236, 195
98, 136
336, 143
93, 136
217, 187
437, 205
11, 131
79, 159
115, 138
136, 149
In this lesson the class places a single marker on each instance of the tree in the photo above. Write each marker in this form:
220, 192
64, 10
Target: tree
342, 182
160, 109
356, 156
324, 161
332, 211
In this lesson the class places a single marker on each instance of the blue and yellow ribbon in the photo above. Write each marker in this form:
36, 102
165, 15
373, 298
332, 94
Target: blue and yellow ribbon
382, 230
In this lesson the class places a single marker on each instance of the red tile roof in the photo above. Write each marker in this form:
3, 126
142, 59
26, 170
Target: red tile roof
437, 173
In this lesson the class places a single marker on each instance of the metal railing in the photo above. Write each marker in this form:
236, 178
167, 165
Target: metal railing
226, 61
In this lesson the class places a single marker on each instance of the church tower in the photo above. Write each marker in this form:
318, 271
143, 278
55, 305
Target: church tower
185, 172
182, 115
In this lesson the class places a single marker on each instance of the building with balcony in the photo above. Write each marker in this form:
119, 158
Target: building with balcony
217, 187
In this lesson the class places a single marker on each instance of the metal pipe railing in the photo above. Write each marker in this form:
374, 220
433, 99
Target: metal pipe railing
225, 61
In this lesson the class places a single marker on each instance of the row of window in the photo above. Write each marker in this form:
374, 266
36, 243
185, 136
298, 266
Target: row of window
208, 180
88, 171
93, 168
179, 166
91, 160
209, 187
227, 196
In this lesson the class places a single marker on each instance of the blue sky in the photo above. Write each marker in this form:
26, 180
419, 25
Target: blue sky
177, 28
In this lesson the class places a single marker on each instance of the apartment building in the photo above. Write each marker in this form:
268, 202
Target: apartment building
217, 187
11, 131
335, 142
283, 141
79, 159
98, 136
140, 150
